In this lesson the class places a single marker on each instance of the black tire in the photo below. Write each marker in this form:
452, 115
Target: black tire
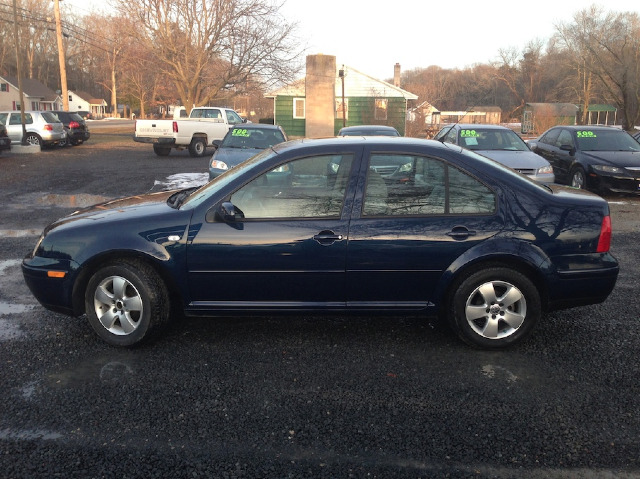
578, 178
33, 139
126, 302
161, 150
198, 147
494, 307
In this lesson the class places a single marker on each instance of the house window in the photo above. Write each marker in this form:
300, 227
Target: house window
4, 87
381, 109
339, 108
299, 108
70, 98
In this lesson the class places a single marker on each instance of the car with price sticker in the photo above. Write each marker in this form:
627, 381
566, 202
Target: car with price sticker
603, 159
500, 144
241, 143
452, 235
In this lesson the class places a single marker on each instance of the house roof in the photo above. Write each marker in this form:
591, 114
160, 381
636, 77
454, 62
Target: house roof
356, 83
33, 88
83, 95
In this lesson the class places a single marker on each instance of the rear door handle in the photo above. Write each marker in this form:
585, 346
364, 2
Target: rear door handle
460, 233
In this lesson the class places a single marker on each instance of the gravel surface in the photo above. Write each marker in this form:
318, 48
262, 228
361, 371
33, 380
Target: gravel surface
297, 397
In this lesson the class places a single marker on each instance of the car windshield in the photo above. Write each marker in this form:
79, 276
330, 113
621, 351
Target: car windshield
224, 179
257, 138
491, 139
605, 140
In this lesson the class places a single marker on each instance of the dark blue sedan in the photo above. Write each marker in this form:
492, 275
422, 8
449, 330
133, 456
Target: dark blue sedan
451, 233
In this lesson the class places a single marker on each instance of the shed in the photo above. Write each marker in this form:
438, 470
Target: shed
599, 114
539, 117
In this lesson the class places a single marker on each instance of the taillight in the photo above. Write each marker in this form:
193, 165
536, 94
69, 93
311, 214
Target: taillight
604, 243
48, 127
175, 127
74, 124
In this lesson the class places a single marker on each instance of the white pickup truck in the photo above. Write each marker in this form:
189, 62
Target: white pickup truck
204, 125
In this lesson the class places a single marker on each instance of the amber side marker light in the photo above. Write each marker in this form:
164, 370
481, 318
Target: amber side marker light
56, 274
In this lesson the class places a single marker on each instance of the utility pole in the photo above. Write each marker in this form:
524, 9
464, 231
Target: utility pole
63, 67
19, 68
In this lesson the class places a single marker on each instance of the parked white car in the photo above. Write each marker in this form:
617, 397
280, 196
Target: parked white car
43, 128
201, 129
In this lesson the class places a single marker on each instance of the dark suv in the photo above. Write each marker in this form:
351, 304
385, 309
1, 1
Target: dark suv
76, 127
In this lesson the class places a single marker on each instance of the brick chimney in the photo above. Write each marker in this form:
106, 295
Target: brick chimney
396, 75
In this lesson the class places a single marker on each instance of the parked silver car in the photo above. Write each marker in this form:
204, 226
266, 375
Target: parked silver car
500, 144
43, 128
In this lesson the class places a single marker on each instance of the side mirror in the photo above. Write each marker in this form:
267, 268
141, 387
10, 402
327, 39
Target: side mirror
568, 148
216, 143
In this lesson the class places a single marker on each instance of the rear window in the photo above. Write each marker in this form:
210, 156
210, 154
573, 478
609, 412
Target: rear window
75, 117
50, 117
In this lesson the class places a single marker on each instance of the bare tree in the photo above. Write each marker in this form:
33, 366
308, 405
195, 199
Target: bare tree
607, 46
207, 47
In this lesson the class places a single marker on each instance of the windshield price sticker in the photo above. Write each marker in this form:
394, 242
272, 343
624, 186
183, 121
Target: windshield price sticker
240, 132
586, 134
469, 134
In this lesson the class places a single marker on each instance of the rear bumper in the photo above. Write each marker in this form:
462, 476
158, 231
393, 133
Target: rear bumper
582, 287
155, 140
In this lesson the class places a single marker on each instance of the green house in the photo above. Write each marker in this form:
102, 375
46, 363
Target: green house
331, 97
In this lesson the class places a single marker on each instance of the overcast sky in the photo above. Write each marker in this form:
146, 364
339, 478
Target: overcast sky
372, 35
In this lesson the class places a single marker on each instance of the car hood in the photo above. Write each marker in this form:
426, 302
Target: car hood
234, 156
133, 208
515, 159
614, 158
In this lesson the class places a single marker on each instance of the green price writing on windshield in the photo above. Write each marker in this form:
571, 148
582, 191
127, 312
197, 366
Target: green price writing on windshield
468, 134
240, 132
586, 134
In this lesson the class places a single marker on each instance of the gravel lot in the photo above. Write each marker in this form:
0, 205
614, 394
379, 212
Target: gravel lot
297, 396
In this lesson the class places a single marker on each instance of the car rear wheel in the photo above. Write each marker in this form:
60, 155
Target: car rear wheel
125, 302
578, 178
33, 139
198, 147
161, 150
494, 307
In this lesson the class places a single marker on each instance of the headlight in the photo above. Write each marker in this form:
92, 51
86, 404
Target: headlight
545, 170
406, 167
609, 169
220, 165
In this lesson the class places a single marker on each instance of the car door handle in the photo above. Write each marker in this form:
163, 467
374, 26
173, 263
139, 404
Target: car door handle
460, 233
327, 237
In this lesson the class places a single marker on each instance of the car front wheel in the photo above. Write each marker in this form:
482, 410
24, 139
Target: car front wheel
578, 178
125, 302
495, 307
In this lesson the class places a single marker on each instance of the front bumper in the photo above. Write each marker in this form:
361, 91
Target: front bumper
53, 293
615, 183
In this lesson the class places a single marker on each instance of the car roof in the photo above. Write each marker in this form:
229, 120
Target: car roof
471, 126
389, 143
257, 126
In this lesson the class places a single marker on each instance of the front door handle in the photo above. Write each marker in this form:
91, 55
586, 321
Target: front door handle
460, 233
327, 237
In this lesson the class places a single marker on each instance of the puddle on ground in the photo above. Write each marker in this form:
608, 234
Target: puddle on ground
28, 434
12, 308
80, 200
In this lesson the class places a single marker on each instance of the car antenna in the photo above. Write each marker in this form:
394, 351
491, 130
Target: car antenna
470, 110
